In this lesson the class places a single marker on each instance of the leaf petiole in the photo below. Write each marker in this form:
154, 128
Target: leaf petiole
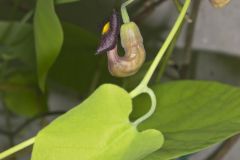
161, 52
152, 109
17, 148
143, 86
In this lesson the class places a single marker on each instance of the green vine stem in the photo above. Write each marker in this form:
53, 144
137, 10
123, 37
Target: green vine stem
171, 47
17, 148
179, 8
125, 16
141, 88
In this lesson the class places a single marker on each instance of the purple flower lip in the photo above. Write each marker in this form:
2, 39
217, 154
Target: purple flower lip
109, 38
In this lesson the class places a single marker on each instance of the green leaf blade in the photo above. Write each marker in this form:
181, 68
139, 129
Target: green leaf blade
99, 128
48, 37
192, 115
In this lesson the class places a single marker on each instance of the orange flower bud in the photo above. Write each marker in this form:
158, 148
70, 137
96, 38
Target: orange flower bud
219, 3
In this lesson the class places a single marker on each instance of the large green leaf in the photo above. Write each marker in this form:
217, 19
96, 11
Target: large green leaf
99, 128
48, 37
192, 115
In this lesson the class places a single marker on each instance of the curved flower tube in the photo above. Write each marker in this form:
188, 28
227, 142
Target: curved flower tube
131, 41
131, 62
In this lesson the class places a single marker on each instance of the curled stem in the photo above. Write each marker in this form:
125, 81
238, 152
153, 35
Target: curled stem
143, 86
152, 109
163, 49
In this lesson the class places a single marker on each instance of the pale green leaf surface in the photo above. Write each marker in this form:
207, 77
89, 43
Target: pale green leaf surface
192, 115
48, 37
97, 129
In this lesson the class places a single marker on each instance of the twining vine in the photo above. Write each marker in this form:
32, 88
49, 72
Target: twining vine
143, 86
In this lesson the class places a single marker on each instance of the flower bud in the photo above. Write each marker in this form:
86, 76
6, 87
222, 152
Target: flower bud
132, 42
219, 3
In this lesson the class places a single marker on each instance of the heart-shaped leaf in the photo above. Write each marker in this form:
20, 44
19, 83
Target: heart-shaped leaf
97, 129
192, 115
